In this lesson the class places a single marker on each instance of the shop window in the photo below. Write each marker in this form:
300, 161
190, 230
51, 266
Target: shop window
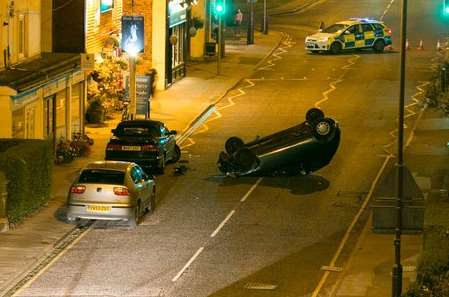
106, 5
30, 120
18, 123
75, 105
60, 114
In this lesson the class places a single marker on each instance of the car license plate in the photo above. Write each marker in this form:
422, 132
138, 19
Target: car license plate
309, 44
131, 148
99, 208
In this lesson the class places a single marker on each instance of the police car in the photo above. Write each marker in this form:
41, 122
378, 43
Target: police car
355, 33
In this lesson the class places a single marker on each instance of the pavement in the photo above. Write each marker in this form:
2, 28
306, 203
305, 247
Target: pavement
366, 273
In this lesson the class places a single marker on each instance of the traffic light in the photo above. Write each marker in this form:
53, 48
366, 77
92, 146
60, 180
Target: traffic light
220, 7
446, 6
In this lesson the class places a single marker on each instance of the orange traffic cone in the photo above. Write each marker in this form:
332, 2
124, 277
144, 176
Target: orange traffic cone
389, 47
407, 45
421, 45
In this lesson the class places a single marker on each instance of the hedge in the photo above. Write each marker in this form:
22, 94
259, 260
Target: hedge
28, 166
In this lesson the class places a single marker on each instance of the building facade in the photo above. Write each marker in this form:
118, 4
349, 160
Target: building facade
41, 93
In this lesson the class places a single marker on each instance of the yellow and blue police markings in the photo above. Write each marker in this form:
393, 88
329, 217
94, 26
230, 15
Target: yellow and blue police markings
353, 36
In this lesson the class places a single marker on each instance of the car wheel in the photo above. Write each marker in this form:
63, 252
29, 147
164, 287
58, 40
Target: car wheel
314, 114
335, 48
324, 129
176, 154
161, 168
136, 217
379, 46
245, 159
151, 204
233, 144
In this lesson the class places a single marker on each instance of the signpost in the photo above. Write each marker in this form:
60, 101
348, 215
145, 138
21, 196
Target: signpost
133, 43
143, 94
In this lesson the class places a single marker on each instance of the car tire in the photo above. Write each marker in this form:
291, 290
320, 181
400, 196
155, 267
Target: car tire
313, 115
379, 46
176, 154
151, 204
161, 167
135, 221
324, 129
233, 144
335, 48
245, 159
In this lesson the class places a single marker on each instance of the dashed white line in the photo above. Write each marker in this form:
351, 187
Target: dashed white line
251, 190
223, 223
198, 252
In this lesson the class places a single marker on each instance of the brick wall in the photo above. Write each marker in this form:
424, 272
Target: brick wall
142, 7
98, 30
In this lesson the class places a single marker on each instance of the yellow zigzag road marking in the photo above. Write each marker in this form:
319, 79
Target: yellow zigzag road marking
241, 90
333, 84
393, 134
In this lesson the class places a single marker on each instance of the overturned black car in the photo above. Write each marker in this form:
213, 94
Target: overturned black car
301, 149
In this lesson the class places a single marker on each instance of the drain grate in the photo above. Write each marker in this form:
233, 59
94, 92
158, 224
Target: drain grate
260, 286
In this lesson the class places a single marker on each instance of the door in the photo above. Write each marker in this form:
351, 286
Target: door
368, 33
349, 36
359, 37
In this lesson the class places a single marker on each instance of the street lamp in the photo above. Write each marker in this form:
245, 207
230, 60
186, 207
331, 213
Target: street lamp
397, 267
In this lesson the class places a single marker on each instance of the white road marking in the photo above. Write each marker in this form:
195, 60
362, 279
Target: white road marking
69, 247
198, 252
223, 223
251, 190
387, 9
349, 230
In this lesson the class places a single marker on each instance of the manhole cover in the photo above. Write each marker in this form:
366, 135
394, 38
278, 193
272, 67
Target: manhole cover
260, 286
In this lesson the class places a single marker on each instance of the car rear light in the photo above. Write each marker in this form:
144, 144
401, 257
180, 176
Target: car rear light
121, 191
78, 189
113, 147
149, 148
388, 30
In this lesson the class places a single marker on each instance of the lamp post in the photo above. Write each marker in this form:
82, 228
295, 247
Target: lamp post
250, 35
132, 86
265, 18
397, 267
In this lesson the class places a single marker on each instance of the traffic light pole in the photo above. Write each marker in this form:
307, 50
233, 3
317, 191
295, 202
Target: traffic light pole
220, 42
265, 18
397, 267
250, 35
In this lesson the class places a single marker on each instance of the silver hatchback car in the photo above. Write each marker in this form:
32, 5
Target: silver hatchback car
111, 190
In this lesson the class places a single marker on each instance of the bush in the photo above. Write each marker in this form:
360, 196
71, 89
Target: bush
28, 167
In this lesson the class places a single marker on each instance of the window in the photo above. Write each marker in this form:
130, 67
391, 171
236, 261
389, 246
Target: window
367, 27
378, 27
335, 28
21, 37
136, 175
106, 5
102, 176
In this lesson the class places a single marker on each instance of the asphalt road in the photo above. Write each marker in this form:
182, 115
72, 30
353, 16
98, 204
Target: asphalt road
217, 236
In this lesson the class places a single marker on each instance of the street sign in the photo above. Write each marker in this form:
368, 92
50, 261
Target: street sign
87, 62
143, 93
133, 35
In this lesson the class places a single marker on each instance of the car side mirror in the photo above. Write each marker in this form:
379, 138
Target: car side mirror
346, 32
173, 132
113, 131
320, 30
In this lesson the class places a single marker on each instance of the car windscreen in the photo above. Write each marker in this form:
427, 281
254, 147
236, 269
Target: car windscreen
102, 176
335, 28
137, 130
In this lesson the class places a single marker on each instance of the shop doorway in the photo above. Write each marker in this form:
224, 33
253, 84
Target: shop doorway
176, 53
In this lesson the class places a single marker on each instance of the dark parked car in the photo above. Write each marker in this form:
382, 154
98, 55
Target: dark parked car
301, 149
145, 142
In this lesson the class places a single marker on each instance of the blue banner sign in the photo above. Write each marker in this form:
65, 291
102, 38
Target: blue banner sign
133, 34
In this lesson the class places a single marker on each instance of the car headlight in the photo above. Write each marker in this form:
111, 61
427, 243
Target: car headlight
325, 39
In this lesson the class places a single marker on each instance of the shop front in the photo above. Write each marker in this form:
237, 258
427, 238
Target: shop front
46, 106
177, 41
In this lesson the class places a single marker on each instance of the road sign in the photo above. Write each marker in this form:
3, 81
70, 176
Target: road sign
143, 93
